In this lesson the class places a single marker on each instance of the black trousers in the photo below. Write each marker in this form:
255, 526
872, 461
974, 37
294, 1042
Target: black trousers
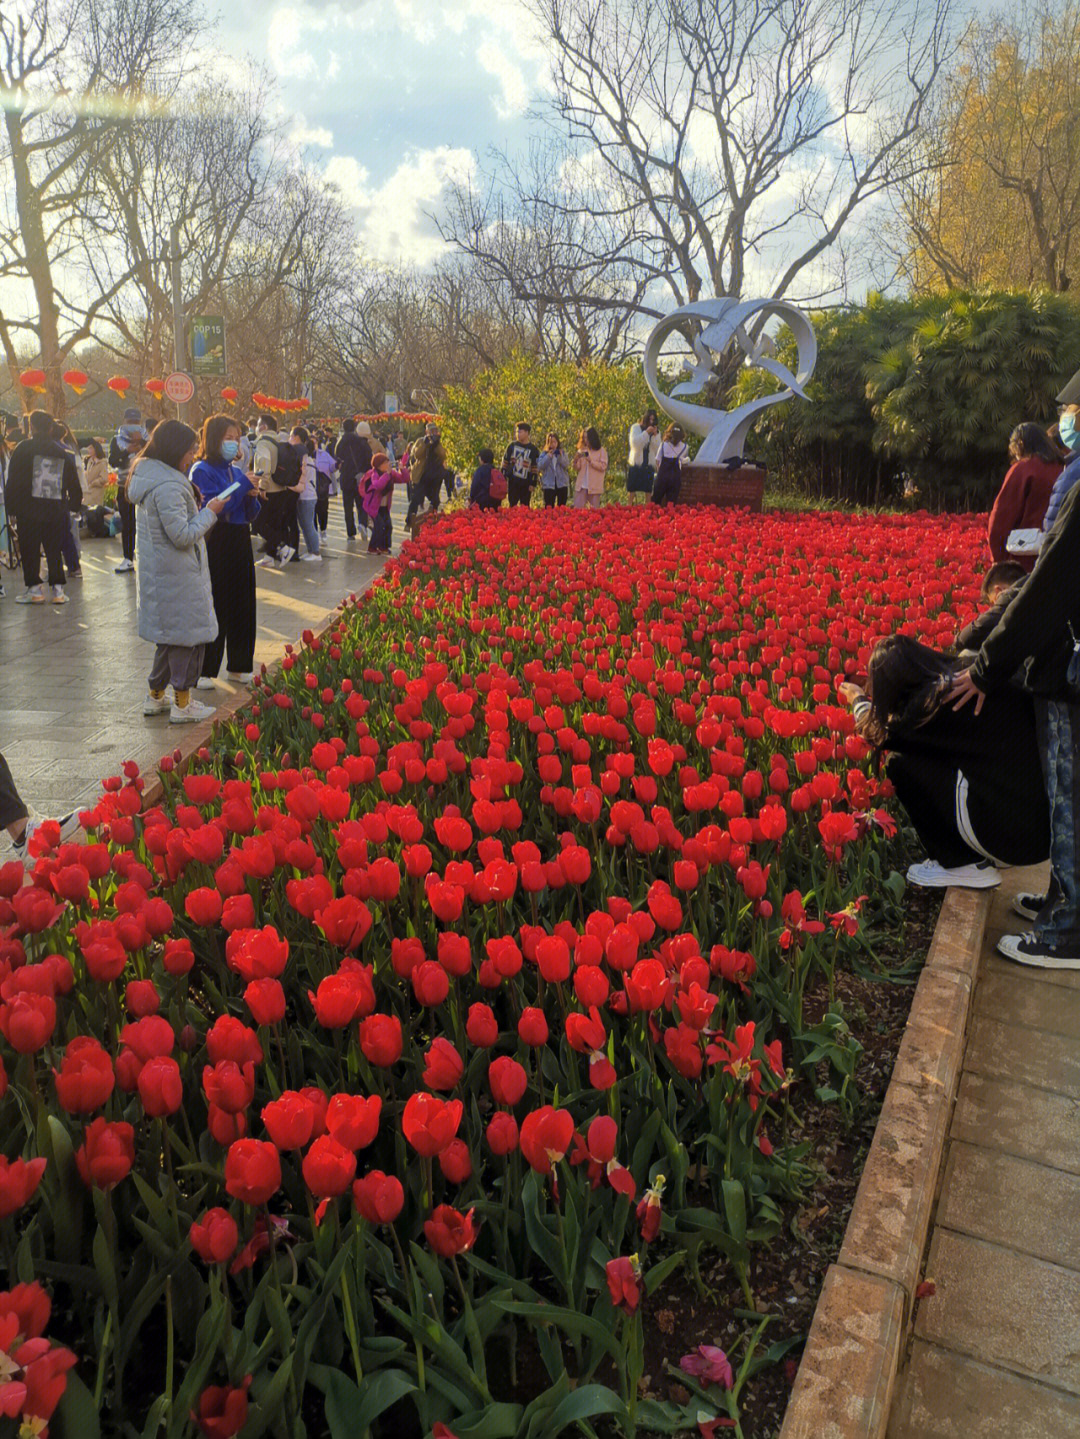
555, 497
289, 523
36, 535
322, 508
273, 521
665, 491
354, 510
232, 579
517, 491
127, 521
428, 489
12, 808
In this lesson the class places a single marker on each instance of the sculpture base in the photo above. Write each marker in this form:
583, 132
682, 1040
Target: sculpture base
742, 488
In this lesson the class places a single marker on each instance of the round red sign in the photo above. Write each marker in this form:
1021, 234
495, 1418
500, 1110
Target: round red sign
179, 387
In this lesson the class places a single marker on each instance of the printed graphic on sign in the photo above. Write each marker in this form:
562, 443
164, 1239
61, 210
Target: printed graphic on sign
207, 341
47, 479
179, 387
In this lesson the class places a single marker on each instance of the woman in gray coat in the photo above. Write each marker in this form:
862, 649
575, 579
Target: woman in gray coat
176, 605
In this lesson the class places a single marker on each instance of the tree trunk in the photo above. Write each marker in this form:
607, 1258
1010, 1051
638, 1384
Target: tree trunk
38, 267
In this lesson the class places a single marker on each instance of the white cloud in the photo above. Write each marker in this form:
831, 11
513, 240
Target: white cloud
515, 91
392, 218
350, 179
315, 135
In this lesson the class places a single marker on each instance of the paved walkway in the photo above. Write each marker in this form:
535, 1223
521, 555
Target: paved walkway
996, 1349
73, 677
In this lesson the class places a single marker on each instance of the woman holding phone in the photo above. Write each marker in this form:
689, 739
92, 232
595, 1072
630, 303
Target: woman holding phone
228, 550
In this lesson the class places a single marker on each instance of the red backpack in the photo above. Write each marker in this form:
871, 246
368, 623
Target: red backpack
497, 485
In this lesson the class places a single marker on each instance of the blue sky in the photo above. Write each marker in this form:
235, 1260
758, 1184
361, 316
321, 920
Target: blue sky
393, 97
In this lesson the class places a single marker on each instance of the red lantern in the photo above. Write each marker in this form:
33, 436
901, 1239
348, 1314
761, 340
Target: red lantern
33, 380
77, 379
230, 396
119, 385
156, 388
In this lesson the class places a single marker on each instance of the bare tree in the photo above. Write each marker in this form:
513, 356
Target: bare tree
719, 143
73, 75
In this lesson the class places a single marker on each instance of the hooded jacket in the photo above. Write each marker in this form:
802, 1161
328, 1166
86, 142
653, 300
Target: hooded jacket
42, 481
176, 604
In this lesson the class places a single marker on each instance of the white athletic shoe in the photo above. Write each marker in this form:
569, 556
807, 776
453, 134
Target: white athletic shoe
33, 596
1027, 949
192, 713
308, 557
204, 682
931, 875
152, 706
241, 679
57, 595
285, 554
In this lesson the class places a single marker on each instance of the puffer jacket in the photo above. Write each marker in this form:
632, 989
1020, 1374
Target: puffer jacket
176, 605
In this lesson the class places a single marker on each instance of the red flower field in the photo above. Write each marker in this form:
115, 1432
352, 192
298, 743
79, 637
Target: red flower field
456, 992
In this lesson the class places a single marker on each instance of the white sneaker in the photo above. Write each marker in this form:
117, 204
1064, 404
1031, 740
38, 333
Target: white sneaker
57, 595
931, 875
152, 706
125, 567
69, 825
34, 596
266, 563
204, 682
322, 534
192, 713
241, 679
285, 554
307, 558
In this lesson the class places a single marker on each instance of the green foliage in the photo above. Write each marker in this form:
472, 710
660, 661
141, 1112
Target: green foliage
565, 398
928, 387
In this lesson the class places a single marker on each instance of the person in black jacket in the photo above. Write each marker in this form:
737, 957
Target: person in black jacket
1037, 638
480, 490
123, 448
972, 788
353, 455
43, 493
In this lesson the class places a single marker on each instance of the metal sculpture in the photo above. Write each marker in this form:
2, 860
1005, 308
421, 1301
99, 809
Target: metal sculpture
720, 322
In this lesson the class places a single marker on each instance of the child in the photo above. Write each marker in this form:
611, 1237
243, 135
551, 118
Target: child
480, 494
378, 492
520, 465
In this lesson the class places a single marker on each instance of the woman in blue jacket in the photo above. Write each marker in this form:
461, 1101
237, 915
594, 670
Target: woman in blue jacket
228, 551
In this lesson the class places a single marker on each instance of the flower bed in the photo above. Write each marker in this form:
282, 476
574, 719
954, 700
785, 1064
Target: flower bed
454, 999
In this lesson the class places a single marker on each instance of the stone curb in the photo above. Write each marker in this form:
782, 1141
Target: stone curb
844, 1386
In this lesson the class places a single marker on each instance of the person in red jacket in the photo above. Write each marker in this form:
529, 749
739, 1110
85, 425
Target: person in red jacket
1025, 493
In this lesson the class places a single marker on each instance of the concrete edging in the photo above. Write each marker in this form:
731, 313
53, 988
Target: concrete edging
844, 1386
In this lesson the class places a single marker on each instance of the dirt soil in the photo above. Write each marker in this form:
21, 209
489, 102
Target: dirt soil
786, 1277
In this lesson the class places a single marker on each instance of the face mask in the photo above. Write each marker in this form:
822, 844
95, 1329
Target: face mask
230, 449
1067, 430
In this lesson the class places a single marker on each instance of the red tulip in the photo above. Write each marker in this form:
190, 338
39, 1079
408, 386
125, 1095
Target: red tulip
85, 1078
450, 1232
222, 1411
624, 1283
378, 1197
215, 1236
381, 1040
106, 1154
443, 1066
546, 1135
429, 1123
19, 1178
252, 1171
353, 1120
329, 1167
289, 1120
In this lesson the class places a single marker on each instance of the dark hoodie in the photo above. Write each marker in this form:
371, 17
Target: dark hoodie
42, 481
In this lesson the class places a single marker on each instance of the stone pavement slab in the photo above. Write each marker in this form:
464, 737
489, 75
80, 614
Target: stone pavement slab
1012, 1202
73, 677
1024, 1055
996, 1346
1015, 1119
1035, 1006
1003, 1308
951, 1397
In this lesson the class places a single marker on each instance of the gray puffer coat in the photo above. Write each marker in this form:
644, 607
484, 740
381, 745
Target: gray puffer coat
176, 605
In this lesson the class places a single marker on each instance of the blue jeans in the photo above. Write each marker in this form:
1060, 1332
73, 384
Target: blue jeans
305, 517
1058, 727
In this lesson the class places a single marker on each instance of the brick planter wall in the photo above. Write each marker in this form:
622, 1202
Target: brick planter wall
729, 489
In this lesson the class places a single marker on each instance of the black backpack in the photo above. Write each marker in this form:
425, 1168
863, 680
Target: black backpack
287, 471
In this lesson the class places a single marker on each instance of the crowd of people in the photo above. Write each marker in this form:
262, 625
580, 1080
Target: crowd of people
980, 742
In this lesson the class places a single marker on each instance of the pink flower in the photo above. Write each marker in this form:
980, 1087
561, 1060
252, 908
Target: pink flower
709, 1364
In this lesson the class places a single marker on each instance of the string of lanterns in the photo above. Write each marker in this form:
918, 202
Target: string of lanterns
34, 381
